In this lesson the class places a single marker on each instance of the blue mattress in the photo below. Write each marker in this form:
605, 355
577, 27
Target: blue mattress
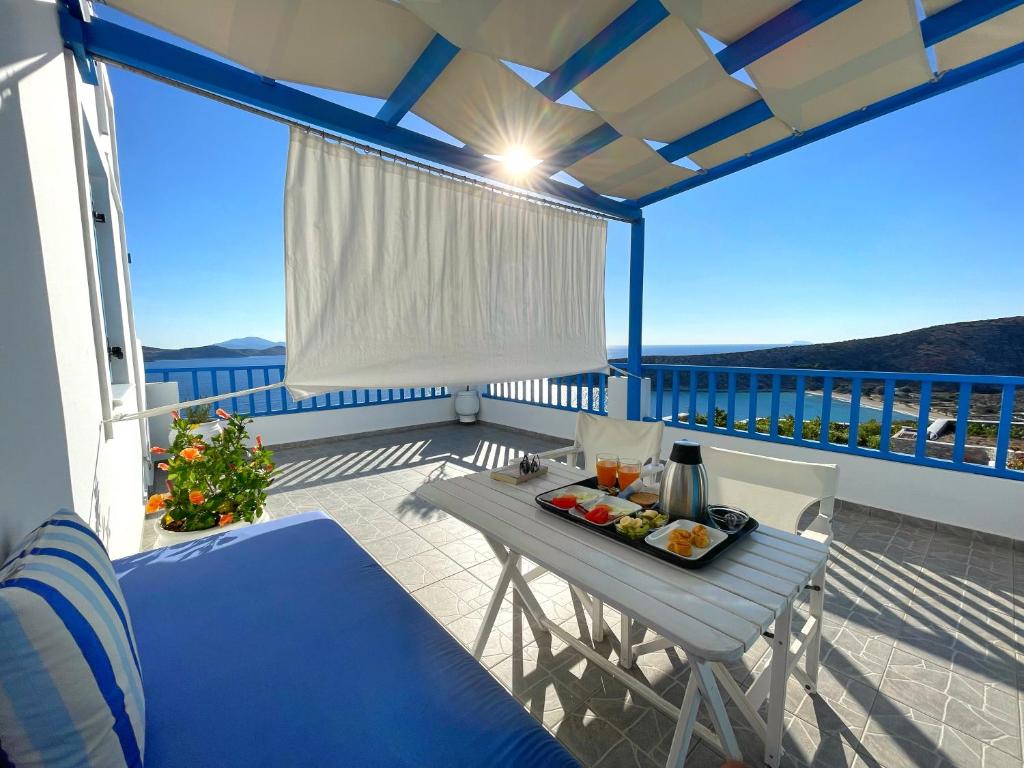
284, 644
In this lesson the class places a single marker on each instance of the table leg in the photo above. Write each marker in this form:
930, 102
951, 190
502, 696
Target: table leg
626, 642
778, 675
684, 725
716, 707
511, 564
597, 620
518, 582
811, 659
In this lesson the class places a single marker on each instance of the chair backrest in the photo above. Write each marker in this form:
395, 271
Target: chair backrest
626, 439
775, 491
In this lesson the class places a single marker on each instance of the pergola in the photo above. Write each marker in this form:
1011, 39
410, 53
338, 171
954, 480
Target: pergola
643, 100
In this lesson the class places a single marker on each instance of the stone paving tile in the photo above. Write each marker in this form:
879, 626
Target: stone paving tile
988, 714
923, 639
898, 735
423, 569
398, 546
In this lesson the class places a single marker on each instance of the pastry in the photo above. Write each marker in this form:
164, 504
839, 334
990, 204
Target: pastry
680, 547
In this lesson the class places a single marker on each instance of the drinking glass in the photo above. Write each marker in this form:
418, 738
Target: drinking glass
607, 467
629, 470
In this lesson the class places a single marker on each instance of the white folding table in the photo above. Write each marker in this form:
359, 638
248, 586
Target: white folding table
714, 613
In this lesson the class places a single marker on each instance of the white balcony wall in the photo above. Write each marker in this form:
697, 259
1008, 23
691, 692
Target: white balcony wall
58, 165
320, 425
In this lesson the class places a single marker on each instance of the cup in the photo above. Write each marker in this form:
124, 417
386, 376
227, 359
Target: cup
607, 468
629, 471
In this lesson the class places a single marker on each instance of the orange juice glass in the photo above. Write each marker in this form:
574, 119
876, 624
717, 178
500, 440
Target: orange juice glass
629, 470
607, 467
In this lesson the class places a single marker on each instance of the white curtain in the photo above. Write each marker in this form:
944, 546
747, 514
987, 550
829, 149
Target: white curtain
397, 277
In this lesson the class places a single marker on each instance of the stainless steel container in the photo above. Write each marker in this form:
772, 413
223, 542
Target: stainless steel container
684, 484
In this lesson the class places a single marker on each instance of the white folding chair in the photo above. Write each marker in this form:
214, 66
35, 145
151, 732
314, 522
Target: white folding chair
776, 491
639, 440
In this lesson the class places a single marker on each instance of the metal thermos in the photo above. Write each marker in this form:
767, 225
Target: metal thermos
684, 484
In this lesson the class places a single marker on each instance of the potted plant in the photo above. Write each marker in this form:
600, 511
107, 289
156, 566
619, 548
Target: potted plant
200, 422
211, 483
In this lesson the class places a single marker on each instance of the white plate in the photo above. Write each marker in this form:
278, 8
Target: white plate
659, 538
581, 492
619, 507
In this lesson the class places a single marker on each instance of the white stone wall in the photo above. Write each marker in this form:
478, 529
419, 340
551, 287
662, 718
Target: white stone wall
56, 133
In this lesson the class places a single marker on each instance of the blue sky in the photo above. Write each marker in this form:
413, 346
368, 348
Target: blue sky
908, 221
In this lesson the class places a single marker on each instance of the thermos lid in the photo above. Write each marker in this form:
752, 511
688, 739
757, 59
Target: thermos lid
685, 452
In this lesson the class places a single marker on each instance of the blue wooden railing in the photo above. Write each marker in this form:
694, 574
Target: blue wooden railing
580, 392
790, 406
197, 382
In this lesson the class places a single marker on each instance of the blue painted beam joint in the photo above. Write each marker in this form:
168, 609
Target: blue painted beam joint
632, 24
424, 71
776, 32
71, 19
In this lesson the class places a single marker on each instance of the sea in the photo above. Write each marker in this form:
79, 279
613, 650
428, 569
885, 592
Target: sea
840, 410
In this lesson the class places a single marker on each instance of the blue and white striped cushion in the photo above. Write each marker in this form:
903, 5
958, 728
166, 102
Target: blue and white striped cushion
70, 682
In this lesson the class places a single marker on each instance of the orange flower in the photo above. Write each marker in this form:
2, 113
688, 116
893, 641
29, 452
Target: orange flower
226, 518
196, 496
163, 465
259, 441
174, 415
158, 449
222, 413
156, 501
190, 454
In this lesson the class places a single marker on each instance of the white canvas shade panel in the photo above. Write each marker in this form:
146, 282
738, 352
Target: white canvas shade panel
975, 43
482, 102
356, 46
864, 54
536, 33
727, 20
397, 277
664, 86
626, 167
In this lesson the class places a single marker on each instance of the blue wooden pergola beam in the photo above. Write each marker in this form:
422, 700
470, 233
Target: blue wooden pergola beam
777, 31
934, 29
119, 45
632, 24
723, 128
424, 71
962, 16
585, 145
951, 79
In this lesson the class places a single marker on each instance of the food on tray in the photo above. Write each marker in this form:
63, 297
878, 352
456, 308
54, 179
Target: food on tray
681, 547
633, 527
644, 498
599, 514
654, 518
564, 501
697, 530
679, 534
701, 542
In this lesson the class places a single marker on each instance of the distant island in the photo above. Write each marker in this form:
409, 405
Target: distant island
246, 346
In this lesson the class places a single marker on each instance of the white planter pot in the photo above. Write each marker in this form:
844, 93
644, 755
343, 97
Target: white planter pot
165, 538
206, 430
467, 405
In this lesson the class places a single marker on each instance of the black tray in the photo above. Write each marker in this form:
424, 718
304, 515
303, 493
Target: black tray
639, 544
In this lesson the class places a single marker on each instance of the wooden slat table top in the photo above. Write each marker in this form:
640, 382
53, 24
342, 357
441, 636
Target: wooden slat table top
716, 612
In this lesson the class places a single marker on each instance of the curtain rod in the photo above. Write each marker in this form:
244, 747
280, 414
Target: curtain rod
369, 148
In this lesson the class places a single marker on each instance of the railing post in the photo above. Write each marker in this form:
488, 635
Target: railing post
636, 312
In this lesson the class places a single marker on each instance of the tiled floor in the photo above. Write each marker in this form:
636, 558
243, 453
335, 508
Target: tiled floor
922, 652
